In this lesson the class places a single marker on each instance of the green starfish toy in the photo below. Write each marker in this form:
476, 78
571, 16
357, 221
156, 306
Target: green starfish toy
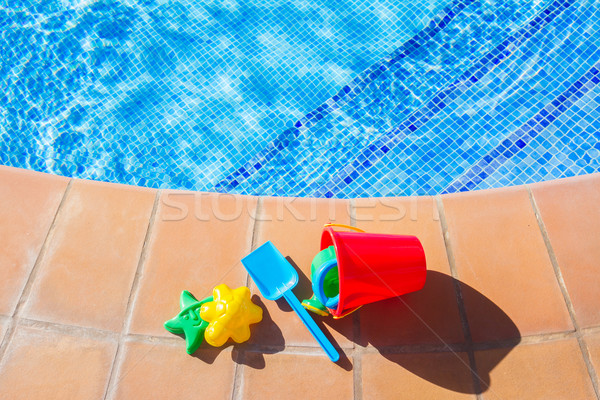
188, 321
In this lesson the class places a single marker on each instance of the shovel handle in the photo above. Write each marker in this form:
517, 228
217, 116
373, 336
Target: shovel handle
312, 326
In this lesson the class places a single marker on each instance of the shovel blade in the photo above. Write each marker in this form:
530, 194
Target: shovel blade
270, 271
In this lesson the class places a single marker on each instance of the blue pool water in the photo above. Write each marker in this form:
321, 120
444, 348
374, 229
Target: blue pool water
302, 98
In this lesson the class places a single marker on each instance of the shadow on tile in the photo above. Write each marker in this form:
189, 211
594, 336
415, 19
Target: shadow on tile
304, 291
277, 343
403, 330
276, 340
454, 372
208, 354
205, 352
256, 359
238, 355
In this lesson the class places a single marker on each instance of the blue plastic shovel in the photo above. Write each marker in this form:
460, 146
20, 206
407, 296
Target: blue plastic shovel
276, 277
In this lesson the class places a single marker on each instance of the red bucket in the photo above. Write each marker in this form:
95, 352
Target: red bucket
373, 267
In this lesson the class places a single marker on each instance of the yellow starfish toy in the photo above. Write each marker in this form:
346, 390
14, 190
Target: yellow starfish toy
229, 315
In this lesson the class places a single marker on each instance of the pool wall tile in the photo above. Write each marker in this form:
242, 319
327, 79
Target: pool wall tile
520, 138
464, 81
492, 65
350, 91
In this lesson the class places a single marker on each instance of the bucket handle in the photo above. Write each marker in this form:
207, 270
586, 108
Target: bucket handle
345, 226
319, 281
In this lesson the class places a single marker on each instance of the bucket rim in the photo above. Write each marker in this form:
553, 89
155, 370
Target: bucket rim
328, 238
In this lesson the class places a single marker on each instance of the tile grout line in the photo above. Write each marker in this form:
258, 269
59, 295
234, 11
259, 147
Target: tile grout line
358, 350
357, 374
14, 319
99, 334
255, 226
459, 298
111, 384
401, 349
563, 288
71, 330
592, 330
238, 373
352, 211
292, 349
32, 275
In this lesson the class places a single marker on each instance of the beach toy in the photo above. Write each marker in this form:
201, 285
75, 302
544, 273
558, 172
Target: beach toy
226, 314
188, 321
229, 315
330, 285
369, 267
275, 277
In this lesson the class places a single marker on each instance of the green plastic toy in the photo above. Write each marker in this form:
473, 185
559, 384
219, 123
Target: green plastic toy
226, 314
331, 284
188, 321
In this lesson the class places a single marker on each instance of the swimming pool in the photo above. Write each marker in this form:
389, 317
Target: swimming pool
302, 98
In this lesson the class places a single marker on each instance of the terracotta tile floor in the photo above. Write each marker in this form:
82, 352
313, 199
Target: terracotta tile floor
90, 271
440, 375
295, 228
554, 369
94, 272
162, 371
570, 211
188, 249
430, 316
500, 252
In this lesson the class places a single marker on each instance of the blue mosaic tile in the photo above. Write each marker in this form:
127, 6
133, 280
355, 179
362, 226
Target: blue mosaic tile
220, 79
552, 8
492, 158
537, 124
205, 96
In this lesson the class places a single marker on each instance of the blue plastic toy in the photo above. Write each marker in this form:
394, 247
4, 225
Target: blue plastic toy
275, 277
